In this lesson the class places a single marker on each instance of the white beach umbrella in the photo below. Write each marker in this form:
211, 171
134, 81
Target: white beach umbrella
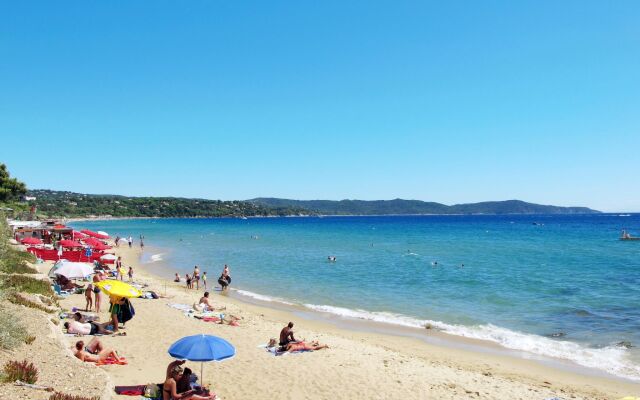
109, 257
103, 233
73, 270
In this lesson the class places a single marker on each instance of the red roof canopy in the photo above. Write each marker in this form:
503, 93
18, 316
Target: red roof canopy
31, 240
94, 234
100, 246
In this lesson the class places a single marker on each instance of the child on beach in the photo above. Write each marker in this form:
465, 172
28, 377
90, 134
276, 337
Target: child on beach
130, 274
204, 280
88, 296
188, 279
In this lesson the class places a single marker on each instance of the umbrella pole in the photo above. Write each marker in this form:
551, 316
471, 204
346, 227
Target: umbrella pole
201, 376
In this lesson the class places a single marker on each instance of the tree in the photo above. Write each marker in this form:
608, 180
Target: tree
10, 188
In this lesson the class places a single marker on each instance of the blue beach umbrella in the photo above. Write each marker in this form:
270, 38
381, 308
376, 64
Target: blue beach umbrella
203, 348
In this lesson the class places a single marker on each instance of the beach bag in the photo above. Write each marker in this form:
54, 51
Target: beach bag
126, 311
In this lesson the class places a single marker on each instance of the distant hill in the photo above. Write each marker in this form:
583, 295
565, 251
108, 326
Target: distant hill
406, 207
53, 203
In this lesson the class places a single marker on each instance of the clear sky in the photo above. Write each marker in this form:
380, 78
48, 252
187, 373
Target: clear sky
452, 102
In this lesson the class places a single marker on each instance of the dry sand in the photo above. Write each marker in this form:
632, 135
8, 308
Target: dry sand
358, 365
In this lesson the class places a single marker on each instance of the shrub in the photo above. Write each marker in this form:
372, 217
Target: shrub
20, 371
62, 396
12, 333
23, 283
16, 298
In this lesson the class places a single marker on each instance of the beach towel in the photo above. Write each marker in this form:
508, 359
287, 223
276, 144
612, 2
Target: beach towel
136, 390
274, 350
181, 307
111, 361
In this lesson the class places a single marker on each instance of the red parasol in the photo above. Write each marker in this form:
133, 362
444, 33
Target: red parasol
69, 243
78, 235
100, 246
91, 241
31, 240
94, 234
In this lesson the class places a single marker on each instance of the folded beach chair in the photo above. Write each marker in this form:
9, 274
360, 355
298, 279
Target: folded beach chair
59, 291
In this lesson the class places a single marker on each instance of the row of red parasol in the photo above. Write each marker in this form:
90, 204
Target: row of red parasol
90, 238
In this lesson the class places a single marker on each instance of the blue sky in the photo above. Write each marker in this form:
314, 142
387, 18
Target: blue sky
455, 103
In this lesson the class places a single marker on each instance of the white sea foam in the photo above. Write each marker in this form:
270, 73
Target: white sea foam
156, 257
261, 297
612, 359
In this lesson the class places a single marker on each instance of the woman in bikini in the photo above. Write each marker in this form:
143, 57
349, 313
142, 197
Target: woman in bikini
170, 386
94, 351
302, 346
96, 291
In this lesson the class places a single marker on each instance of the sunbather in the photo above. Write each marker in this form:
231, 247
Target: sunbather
89, 328
205, 303
169, 388
302, 346
94, 351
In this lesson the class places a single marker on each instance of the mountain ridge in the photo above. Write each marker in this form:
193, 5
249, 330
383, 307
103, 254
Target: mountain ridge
417, 207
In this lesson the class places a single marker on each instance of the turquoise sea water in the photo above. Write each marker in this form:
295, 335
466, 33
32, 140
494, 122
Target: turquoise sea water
558, 286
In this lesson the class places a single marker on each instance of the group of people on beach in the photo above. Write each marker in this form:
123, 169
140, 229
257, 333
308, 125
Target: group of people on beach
194, 279
288, 343
129, 241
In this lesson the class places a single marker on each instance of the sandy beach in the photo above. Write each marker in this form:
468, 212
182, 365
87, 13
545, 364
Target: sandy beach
358, 364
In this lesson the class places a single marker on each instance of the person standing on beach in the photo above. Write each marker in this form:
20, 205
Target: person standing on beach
130, 240
204, 279
88, 297
225, 278
141, 245
188, 280
130, 274
96, 292
196, 276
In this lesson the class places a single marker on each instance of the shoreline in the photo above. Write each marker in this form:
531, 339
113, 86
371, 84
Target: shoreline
110, 218
365, 321
465, 353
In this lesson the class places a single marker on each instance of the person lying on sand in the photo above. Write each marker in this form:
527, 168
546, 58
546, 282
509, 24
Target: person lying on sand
89, 328
302, 346
94, 351
297, 346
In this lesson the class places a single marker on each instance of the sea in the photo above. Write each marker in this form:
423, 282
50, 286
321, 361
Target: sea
558, 286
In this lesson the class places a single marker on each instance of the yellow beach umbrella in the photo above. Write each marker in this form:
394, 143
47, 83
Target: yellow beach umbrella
118, 288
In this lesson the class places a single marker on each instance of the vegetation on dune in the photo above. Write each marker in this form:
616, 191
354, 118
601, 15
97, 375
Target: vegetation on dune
12, 260
12, 334
23, 371
26, 284
68, 204
63, 396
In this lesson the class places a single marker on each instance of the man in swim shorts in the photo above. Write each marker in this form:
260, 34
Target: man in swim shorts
286, 335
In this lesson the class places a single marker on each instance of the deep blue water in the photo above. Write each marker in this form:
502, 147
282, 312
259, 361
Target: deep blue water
524, 278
